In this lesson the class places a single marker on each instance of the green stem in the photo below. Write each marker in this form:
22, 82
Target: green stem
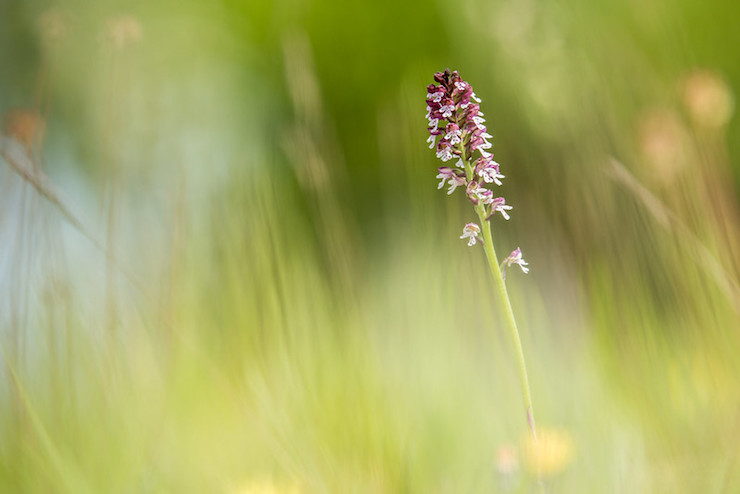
504, 301
503, 296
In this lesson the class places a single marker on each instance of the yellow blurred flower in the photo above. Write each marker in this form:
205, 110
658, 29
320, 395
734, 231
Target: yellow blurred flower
663, 143
550, 454
708, 98
266, 487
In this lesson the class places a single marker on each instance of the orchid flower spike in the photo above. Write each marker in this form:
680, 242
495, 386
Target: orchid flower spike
514, 258
458, 133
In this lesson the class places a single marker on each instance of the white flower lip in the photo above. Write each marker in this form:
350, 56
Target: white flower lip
471, 232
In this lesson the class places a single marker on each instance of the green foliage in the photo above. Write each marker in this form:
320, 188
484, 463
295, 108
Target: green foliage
269, 294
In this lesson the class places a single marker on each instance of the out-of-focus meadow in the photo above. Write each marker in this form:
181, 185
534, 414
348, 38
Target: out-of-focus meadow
225, 265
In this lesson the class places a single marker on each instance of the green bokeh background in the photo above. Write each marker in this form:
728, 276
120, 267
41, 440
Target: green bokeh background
232, 270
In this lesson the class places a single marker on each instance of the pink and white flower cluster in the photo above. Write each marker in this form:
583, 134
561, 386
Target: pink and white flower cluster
458, 132
454, 115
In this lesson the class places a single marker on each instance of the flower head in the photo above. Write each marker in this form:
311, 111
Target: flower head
444, 150
550, 453
488, 170
453, 134
450, 113
453, 178
499, 204
514, 258
471, 232
457, 131
123, 30
477, 194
